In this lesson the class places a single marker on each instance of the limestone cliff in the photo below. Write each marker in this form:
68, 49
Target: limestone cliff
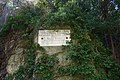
8, 43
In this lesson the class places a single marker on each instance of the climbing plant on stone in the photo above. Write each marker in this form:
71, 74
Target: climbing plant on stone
90, 60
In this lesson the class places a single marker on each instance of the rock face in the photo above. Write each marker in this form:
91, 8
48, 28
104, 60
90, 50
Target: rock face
8, 6
10, 57
2, 60
4, 11
15, 61
6, 44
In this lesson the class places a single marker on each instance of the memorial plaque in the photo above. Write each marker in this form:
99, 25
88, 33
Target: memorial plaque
53, 37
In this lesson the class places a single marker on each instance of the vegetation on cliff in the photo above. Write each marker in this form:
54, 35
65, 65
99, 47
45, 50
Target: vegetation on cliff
90, 59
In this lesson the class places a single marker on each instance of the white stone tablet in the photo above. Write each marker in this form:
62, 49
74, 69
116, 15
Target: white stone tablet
53, 37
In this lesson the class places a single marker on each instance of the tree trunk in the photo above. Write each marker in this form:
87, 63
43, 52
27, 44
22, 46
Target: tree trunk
112, 46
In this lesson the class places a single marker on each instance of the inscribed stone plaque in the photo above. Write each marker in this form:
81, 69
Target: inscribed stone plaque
53, 37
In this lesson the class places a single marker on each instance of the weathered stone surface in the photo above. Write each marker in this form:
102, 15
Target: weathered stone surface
62, 59
7, 46
64, 78
15, 61
3, 63
7, 8
53, 49
4, 11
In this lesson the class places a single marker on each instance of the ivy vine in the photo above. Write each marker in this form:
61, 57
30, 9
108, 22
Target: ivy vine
90, 60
